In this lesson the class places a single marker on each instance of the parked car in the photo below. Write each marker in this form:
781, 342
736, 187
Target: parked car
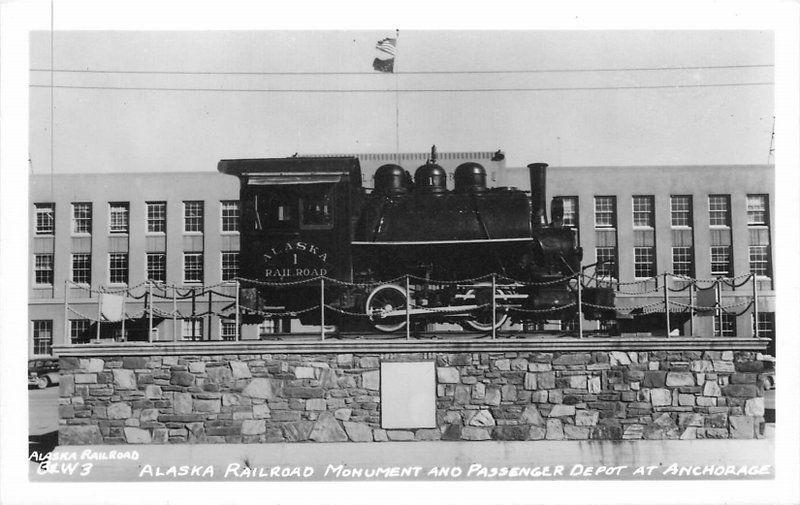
43, 372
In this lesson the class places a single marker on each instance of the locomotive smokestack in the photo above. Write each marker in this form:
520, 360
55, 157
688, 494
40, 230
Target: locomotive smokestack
538, 174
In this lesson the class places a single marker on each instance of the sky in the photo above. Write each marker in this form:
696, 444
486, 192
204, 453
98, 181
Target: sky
238, 95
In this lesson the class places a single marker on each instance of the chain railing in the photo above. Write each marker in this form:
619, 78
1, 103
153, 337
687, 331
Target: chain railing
577, 282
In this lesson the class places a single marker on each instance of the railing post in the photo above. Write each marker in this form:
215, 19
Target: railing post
67, 336
718, 293
174, 314
494, 307
408, 308
580, 303
150, 312
666, 302
755, 305
99, 310
124, 316
692, 287
322, 307
238, 331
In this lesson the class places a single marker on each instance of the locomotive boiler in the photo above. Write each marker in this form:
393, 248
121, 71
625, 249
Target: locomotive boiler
409, 248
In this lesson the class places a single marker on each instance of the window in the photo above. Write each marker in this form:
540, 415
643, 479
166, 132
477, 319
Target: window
766, 325
156, 217
118, 268
42, 336
759, 260
227, 330
267, 327
728, 328
230, 265
157, 267
193, 267
192, 329
118, 217
79, 331
193, 217
82, 268
82, 218
605, 211
45, 218
644, 262
757, 210
43, 269
570, 204
316, 210
230, 216
683, 261
643, 212
721, 260
680, 209
285, 212
607, 259
719, 210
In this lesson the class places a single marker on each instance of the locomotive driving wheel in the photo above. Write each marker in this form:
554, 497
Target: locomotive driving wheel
482, 320
384, 299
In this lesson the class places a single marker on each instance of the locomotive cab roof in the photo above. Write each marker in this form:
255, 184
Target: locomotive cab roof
296, 170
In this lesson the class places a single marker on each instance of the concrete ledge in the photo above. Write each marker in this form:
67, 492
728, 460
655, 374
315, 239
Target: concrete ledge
468, 343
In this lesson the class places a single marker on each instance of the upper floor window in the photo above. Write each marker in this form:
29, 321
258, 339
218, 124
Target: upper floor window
607, 261
82, 218
82, 268
721, 260
570, 204
680, 209
193, 217
719, 210
118, 268
230, 216
193, 267
156, 217
45, 218
757, 210
605, 211
230, 265
43, 269
156, 267
643, 211
644, 261
118, 217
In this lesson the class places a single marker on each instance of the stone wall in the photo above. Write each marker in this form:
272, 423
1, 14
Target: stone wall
257, 398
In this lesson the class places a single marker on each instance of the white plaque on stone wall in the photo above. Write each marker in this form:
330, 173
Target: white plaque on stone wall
408, 395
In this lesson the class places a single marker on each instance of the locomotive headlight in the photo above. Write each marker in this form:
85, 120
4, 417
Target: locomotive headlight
573, 285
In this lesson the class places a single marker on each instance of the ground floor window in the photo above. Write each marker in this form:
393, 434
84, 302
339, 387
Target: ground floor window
725, 325
227, 330
607, 261
193, 267
644, 261
683, 261
42, 336
192, 329
79, 331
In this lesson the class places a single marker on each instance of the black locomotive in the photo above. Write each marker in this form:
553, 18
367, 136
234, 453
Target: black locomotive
408, 248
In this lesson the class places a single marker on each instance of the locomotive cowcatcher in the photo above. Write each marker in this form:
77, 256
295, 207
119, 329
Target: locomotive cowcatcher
409, 248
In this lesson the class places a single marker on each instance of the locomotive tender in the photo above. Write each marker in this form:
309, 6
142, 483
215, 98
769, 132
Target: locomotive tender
406, 240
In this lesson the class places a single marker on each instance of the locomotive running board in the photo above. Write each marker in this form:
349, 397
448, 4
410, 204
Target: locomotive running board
450, 309
438, 242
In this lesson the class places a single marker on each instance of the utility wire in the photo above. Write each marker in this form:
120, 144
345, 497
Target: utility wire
418, 72
407, 90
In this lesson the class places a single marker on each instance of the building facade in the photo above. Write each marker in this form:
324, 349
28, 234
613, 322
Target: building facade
95, 235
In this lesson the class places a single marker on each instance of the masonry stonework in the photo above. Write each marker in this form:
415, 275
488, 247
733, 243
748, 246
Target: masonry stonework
262, 398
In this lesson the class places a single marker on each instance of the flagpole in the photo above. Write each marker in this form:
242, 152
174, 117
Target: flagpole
396, 99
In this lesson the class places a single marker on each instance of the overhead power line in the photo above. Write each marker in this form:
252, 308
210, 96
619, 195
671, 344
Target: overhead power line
420, 72
407, 90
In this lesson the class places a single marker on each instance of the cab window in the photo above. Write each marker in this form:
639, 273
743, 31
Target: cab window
316, 209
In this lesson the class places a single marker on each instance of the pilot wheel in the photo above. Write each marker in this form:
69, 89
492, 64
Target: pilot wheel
482, 320
384, 299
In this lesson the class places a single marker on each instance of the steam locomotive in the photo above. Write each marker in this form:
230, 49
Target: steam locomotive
408, 249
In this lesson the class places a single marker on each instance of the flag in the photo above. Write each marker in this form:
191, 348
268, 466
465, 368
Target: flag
385, 61
112, 307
